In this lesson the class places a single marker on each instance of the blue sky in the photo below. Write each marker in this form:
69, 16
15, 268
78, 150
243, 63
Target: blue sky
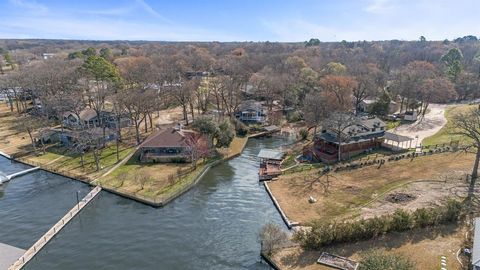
241, 20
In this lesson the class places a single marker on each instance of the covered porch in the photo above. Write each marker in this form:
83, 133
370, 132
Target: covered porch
397, 142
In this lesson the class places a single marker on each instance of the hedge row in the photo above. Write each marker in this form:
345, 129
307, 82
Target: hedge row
324, 233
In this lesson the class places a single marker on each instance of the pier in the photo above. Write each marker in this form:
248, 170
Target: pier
17, 174
33, 250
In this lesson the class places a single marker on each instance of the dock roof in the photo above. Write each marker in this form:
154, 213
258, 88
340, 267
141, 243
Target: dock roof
270, 154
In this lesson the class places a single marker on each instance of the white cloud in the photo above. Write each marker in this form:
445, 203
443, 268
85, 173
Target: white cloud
380, 7
103, 29
151, 11
31, 6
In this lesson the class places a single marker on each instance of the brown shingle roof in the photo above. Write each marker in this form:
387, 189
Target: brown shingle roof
168, 138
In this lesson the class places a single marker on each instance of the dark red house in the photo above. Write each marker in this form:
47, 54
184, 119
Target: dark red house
363, 134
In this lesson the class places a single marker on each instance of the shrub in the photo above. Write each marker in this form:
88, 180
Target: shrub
294, 116
224, 134
452, 212
376, 260
324, 233
303, 133
240, 128
401, 220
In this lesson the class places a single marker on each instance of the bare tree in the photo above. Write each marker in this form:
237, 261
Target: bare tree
339, 123
468, 124
316, 109
272, 238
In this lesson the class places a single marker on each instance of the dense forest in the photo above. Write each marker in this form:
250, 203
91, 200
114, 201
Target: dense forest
310, 79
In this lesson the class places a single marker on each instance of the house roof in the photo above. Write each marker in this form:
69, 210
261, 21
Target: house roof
333, 139
169, 137
270, 154
87, 114
250, 105
363, 125
476, 244
397, 138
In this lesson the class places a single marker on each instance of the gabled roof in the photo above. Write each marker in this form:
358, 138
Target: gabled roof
87, 114
169, 137
270, 154
251, 105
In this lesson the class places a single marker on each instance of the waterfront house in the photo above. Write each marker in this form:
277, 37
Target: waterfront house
252, 112
88, 118
173, 145
363, 134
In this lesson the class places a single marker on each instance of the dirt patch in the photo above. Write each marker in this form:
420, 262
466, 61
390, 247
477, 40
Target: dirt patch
399, 197
361, 192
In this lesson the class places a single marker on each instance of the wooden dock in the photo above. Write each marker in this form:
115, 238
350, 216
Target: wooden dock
32, 251
17, 174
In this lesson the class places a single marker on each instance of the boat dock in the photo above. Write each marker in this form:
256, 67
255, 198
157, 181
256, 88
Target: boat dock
17, 174
32, 251
269, 164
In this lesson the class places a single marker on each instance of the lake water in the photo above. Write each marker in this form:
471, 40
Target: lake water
213, 226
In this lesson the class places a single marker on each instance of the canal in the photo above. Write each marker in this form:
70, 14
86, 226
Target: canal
213, 226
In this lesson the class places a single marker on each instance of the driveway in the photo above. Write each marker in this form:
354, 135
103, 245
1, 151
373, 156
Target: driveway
433, 121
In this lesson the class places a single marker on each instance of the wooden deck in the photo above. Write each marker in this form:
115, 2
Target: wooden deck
268, 171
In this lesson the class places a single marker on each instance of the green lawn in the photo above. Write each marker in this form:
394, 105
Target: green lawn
162, 179
392, 124
445, 134
59, 158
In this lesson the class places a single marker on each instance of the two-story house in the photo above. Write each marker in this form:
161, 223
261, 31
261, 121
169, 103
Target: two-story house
252, 112
364, 133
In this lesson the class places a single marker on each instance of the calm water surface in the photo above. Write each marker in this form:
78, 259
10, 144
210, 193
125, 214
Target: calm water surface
31, 204
213, 226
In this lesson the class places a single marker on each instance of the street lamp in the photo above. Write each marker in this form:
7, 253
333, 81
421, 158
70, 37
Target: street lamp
78, 205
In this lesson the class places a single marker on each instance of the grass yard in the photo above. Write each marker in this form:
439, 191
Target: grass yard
392, 124
342, 194
59, 159
162, 179
423, 246
444, 135
12, 138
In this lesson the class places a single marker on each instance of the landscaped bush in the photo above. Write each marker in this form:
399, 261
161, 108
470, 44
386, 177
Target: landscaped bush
303, 134
376, 260
401, 221
325, 233
294, 116
240, 128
